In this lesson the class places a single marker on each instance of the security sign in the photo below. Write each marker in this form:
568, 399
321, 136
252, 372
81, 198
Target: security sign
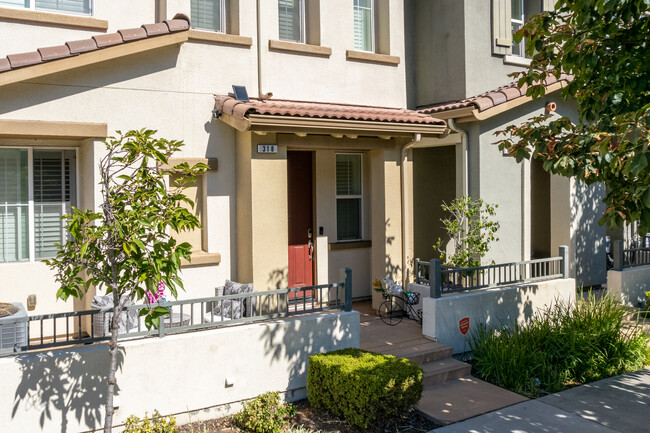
463, 325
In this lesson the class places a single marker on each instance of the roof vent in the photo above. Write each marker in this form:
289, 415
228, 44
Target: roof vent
240, 93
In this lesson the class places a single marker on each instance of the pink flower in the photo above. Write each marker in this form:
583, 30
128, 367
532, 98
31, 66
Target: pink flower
160, 293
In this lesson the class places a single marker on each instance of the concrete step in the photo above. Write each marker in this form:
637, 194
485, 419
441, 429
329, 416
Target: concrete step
464, 398
438, 372
420, 352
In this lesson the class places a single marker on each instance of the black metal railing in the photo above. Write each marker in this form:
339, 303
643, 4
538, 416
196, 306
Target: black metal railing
444, 279
89, 326
629, 258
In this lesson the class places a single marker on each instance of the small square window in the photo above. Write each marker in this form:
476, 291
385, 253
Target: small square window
209, 15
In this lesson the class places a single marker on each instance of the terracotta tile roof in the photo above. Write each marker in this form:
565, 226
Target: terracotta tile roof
490, 99
179, 23
278, 107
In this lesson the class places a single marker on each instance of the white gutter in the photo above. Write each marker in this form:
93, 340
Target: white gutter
464, 142
405, 217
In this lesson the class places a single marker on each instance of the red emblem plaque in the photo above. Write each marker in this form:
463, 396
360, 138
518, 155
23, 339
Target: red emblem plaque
463, 325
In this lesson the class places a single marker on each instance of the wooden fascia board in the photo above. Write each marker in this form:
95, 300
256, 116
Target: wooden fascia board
91, 57
453, 114
240, 124
268, 123
52, 130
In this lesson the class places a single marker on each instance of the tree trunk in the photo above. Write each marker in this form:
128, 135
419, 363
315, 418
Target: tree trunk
113, 352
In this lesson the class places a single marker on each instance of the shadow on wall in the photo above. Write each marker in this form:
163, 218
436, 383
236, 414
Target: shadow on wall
64, 386
297, 343
392, 270
588, 239
104, 74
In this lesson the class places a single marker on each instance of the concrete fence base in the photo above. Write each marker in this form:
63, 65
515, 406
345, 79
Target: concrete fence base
200, 374
451, 319
630, 284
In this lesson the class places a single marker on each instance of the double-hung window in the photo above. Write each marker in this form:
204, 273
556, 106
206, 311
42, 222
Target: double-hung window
364, 25
209, 15
37, 187
291, 20
348, 197
517, 21
81, 7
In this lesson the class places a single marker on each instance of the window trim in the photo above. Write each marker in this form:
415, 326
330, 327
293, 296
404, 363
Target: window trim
223, 13
373, 36
32, 7
31, 239
359, 196
302, 22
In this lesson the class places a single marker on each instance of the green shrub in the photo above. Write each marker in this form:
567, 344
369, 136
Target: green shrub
561, 347
157, 424
363, 387
265, 414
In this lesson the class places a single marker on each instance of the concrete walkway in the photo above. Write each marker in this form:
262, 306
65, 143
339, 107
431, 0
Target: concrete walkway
618, 404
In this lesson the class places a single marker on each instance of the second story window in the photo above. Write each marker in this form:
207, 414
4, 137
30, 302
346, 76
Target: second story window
364, 25
517, 20
209, 15
81, 7
291, 19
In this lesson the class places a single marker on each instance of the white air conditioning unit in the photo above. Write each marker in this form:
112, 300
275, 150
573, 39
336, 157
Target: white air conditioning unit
13, 331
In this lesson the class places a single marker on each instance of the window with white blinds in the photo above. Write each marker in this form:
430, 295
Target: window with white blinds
364, 24
348, 197
53, 192
81, 7
209, 15
291, 19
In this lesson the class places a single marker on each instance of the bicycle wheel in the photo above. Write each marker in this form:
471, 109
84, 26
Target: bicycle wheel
389, 313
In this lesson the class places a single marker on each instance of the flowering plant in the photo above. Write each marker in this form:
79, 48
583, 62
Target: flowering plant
160, 293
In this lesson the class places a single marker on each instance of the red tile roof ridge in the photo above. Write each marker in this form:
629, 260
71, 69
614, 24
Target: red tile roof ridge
324, 110
491, 98
180, 22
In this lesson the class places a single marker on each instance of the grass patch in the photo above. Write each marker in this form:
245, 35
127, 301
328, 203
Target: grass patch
561, 347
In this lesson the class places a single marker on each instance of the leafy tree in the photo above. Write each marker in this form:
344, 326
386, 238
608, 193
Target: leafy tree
126, 248
471, 229
605, 45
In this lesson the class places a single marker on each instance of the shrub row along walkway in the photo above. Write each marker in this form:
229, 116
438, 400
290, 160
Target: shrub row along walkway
618, 404
450, 393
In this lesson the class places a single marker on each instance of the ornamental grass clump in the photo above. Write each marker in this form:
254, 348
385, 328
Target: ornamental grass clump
561, 347
363, 387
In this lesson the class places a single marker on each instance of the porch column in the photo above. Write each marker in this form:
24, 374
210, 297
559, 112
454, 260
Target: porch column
386, 217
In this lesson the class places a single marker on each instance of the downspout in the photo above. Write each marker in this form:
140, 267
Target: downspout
405, 217
464, 142
259, 50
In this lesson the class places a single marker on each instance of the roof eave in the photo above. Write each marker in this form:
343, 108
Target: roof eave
311, 125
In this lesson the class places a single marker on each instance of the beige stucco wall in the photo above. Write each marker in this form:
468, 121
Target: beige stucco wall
490, 307
153, 373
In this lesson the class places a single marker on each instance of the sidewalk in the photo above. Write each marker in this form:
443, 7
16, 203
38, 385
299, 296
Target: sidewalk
619, 404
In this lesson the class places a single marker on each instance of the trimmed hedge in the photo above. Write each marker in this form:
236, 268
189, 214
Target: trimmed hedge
363, 387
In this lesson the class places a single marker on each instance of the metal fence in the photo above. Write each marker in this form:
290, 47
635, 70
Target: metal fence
89, 326
629, 258
444, 279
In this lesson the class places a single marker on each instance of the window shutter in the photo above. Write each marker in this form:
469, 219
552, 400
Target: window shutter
501, 27
206, 14
14, 205
74, 6
53, 197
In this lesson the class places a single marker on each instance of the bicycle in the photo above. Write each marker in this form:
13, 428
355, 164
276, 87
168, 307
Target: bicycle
391, 311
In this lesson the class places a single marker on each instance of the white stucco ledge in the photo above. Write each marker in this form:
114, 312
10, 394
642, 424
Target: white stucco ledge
202, 258
630, 284
442, 317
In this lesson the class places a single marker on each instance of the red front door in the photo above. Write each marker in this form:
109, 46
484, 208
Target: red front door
299, 169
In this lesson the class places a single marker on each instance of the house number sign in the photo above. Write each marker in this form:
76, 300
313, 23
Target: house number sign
267, 148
